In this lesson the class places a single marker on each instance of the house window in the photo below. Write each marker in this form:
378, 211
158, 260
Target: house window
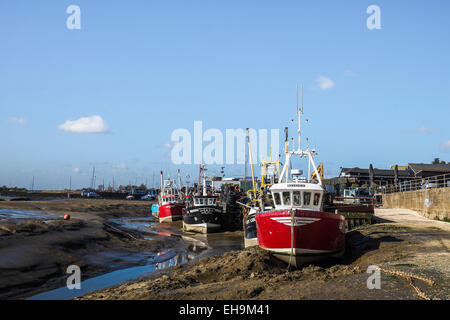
296, 198
306, 198
286, 198
316, 199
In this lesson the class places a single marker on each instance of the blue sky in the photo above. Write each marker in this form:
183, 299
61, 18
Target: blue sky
150, 67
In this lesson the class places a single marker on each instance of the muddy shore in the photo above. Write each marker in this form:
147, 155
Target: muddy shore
414, 248
35, 253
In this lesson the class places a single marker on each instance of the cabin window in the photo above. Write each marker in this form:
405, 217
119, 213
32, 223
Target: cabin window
296, 198
277, 198
316, 199
306, 198
286, 198
195, 201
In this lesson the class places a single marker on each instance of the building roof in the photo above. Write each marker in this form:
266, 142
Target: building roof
417, 167
376, 172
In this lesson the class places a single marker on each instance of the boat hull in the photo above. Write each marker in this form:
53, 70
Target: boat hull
315, 235
155, 210
170, 212
203, 219
250, 231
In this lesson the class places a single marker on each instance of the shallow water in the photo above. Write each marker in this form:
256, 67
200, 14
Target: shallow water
160, 261
12, 214
196, 246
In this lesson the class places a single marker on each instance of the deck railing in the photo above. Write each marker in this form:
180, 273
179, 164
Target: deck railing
439, 181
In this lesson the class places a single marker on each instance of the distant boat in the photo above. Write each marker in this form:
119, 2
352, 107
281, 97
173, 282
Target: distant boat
170, 201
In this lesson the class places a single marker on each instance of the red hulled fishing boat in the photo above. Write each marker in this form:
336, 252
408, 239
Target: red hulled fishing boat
171, 202
297, 230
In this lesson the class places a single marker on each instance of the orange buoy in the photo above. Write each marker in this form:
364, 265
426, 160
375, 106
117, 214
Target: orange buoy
67, 217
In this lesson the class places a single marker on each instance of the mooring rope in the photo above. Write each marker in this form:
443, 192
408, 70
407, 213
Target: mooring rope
409, 277
292, 239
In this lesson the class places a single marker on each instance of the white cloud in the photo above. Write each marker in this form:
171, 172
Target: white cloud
76, 170
120, 166
349, 73
92, 124
15, 120
426, 130
445, 146
324, 83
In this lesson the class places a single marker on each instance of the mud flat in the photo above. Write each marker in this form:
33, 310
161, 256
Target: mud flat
100, 207
403, 244
37, 245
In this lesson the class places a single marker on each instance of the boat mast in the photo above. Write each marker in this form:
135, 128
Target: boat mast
179, 179
199, 182
204, 186
251, 162
285, 171
310, 153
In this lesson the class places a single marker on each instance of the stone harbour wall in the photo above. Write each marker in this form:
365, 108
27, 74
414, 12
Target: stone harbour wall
430, 203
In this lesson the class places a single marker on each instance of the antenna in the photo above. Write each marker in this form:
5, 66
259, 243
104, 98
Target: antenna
179, 179
246, 158
93, 178
299, 113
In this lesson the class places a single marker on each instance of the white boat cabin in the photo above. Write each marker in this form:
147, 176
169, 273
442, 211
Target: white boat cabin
300, 195
205, 200
170, 194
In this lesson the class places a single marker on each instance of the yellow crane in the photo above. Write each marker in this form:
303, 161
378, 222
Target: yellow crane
320, 170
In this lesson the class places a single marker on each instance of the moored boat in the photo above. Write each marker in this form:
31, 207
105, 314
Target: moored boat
170, 201
203, 214
258, 198
297, 230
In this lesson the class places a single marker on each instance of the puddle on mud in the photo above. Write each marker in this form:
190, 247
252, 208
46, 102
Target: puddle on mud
196, 246
12, 214
162, 260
